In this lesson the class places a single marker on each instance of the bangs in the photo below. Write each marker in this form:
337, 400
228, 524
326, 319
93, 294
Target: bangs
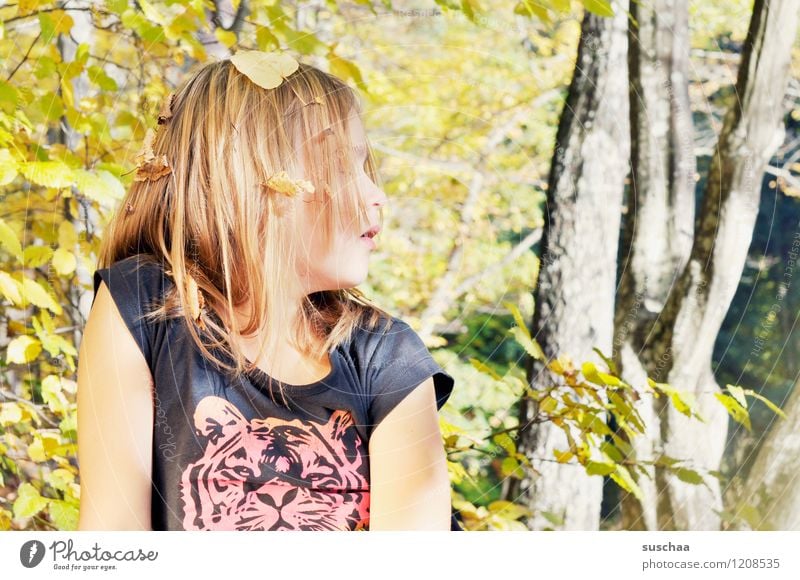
320, 122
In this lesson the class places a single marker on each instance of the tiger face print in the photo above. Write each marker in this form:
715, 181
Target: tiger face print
272, 474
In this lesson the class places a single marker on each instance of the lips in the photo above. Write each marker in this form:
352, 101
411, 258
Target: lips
371, 232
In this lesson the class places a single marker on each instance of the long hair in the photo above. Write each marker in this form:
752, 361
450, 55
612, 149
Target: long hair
211, 217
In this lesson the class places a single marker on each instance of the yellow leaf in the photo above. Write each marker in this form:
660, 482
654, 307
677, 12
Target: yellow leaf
29, 502
64, 262
23, 349
10, 288
226, 37
10, 413
66, 91
35, 256
34, 293
67, 236
63, 514
101, 186
9, 239
36, 451
8, 167
48, 173
266, 69
60, 478
53, 394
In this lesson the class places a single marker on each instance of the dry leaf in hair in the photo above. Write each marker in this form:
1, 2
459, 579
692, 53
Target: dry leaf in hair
282, 183
266, 69
194, 296
150, 166
166, 109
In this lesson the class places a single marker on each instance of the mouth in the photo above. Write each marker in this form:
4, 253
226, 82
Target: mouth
371, 232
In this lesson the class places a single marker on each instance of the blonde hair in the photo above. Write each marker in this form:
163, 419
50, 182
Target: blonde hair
212, 218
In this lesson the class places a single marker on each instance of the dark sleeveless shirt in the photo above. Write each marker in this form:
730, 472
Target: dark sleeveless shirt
227, 455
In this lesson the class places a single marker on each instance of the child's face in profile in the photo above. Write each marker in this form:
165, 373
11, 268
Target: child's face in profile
345, 263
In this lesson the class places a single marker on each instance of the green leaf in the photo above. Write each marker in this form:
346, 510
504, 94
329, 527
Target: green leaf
28, 502
60, 479
611, 450
510, 467
599, 468
611, 366
623, 478
506, 442
529, 344
553, 518
63, 514
775, 409
485, 369
520, 322
689, 476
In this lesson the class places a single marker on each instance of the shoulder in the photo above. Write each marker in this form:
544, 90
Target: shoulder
139, 277
136, 284
388, 336
397, 362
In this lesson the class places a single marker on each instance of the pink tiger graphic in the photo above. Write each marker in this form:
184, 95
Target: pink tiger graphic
272, 474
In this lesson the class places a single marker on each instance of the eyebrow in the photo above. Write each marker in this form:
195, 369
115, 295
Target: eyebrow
361, 149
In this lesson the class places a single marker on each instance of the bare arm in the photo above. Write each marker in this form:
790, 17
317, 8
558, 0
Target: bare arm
409, 483
115, 423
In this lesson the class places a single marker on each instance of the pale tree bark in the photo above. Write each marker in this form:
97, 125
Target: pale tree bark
659, 220
773, 484
577, 278
682, 338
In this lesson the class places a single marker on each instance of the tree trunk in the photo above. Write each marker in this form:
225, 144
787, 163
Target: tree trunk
577, 275
683, 337
659, 220
772, 484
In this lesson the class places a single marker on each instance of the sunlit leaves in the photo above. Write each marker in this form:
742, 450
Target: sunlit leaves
48, 173
736, 404
9, 239
29, 502
23, 349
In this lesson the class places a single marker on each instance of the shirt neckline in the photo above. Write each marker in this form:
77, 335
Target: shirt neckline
262, 379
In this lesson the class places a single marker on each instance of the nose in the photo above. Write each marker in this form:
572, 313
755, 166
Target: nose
376, 197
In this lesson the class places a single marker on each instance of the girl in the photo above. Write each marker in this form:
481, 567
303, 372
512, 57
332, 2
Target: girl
231, 376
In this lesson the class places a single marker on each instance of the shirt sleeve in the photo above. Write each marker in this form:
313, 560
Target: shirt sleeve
130, 282
401, 362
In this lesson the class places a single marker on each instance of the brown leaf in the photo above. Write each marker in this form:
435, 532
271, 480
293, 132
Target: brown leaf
282, 183
150, 166
166, 109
